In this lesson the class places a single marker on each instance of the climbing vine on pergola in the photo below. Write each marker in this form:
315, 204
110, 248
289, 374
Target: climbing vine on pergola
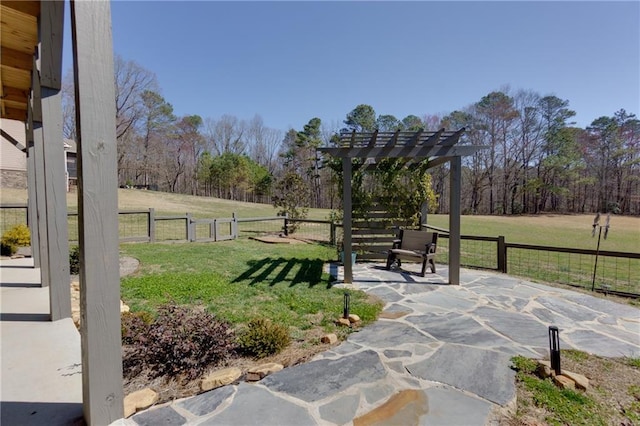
410, 149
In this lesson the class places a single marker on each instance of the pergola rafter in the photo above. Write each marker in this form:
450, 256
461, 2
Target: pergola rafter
412, 147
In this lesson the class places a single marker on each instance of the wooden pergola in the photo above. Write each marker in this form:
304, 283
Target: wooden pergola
438, 147
31, 39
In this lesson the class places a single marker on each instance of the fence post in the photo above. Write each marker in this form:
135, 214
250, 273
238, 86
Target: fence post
286, 224
215, 229
234, 225
502, 255
332, 233
189, 228
151, 225
212, 232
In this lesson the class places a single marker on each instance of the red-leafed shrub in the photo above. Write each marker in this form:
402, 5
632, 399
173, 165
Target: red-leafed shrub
179, 342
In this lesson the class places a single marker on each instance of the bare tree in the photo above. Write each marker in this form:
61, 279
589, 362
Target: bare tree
68, 107
528, 139
226, 134
264, 143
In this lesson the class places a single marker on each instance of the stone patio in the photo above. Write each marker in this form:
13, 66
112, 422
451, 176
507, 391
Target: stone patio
438, 355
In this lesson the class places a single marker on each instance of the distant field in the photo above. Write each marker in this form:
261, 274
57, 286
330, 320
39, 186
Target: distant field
551, 230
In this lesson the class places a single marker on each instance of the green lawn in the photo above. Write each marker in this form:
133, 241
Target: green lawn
242, 279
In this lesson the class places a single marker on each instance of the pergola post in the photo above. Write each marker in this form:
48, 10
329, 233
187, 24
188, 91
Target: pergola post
455, 185
97, 212
346, 221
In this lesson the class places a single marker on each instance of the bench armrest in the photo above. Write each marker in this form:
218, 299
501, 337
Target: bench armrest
396, 244
430, 248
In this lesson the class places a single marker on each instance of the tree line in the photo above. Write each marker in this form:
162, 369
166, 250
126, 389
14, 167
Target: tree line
537, 160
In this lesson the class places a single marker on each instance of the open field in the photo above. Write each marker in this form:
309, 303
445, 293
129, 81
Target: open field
550, 229
168, 203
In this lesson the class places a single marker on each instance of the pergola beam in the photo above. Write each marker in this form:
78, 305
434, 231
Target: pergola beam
402, 152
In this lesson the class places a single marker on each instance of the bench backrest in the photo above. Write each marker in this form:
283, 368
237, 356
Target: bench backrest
416, 240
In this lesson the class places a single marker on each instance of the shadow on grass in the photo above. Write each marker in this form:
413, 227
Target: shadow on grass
275, 271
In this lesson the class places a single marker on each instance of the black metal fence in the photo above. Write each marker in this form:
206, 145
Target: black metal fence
617, 272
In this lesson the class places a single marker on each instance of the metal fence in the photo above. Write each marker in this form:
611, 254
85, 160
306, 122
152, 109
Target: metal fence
12, 215
617, 272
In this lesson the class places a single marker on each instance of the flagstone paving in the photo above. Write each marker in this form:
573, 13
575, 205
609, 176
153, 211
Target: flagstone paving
439, 355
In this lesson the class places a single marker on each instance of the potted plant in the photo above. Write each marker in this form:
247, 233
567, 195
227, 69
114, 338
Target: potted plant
341, 254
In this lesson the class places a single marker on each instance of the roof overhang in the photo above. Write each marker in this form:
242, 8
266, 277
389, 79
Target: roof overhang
18, 43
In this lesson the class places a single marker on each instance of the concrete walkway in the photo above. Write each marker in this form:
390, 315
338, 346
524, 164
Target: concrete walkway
41, 380
439, 356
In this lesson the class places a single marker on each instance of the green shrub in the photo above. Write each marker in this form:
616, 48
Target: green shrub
263, 337
74, 260
179, 342
18, 236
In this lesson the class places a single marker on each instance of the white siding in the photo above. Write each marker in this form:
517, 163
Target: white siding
11, 158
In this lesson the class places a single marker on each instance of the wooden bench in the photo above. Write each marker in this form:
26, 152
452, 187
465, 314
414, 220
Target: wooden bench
414, 245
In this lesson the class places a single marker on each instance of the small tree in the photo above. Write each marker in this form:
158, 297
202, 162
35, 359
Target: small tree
292, 197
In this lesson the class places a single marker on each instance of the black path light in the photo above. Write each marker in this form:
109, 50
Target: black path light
554, 349
596, 224
345, 309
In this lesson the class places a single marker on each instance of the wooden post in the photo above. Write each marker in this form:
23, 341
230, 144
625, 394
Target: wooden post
151, 225
424, 211
455, 179
346, 222
234, 225
332, 233
215, 229
56, 196
502, 255
32, 209
34, 133
286, 225
50, 25
190, 226
98, 212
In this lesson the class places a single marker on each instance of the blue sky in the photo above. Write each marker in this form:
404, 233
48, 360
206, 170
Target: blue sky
292, 61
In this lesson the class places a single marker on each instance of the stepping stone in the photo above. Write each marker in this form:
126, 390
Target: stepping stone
445, 301
552, 318
482, 372
614, 309
207, 402
387, 334
386, 294
341, 410
160, 416
445, 408
320, 379
599, 344
568, 310
457, 328
254, 405
404, 408
520, 328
